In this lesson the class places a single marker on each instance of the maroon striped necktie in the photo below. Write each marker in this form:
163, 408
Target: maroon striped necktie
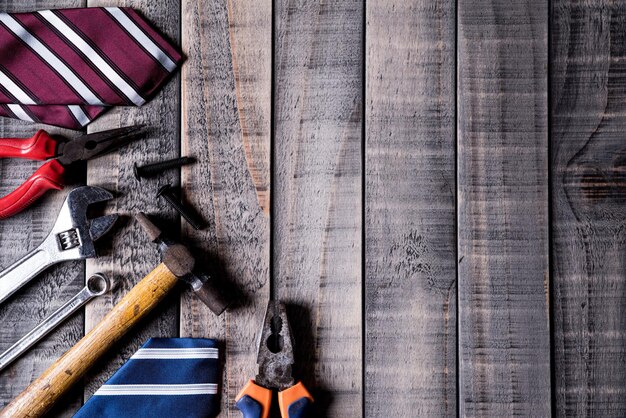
66, 67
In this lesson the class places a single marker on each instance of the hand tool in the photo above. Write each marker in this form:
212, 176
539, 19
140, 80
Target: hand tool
72, 238
172, 254
167, 193
275, 360
97, 285
49, 176
177, 262
153, 169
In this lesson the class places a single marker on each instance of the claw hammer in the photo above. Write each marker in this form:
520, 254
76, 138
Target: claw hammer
177, 263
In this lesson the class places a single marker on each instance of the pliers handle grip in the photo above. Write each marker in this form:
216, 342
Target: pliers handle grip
49, 176
254, 401
39, 147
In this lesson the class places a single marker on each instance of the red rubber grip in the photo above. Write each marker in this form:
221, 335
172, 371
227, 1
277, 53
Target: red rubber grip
48, 177
40, 146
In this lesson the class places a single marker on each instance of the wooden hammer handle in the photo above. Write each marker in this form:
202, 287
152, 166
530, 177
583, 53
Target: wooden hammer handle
37, 398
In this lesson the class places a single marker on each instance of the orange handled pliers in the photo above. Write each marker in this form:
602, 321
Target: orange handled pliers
275, 360
60, 153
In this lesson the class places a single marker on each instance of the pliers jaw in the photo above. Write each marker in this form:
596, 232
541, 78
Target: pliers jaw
275, 360
275, 355
59, 155
98, 143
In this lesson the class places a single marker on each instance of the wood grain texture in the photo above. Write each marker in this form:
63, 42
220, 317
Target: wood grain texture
20, 234
504, 341
317, 194
68, 370
588, 218
250, 26
127, 254
226, 126
410, 210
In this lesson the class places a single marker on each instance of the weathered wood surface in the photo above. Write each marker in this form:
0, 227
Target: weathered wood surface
226, 86
53, 287
430, 213
588, 118
70, 369
410, 256
504, 341
317, 214
127, 255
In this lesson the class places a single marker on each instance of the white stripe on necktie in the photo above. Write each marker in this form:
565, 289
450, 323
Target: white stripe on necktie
15, 90
175, 353
141, 37
19, 111
79, 114
190, 389
45, 54
93, 56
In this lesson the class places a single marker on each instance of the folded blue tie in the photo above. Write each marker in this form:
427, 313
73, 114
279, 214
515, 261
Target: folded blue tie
167, 377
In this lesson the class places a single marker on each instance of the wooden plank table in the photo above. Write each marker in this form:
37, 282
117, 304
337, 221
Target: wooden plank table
504, 338
436, 190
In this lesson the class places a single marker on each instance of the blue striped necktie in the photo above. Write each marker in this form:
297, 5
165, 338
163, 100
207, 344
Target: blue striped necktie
167, 377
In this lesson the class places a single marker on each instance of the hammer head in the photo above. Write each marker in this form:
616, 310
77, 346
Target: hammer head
179, 260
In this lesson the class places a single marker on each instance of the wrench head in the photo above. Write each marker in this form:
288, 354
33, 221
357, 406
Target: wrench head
100, 226
98, 284
73, 232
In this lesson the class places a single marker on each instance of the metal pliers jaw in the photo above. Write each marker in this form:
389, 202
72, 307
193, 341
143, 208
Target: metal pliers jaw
275, 354
275, 360
59, 155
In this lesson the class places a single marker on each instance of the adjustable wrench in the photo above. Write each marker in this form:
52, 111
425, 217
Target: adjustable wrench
97, 285
71, 238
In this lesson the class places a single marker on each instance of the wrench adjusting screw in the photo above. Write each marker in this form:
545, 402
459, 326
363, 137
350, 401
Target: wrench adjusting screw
69, 239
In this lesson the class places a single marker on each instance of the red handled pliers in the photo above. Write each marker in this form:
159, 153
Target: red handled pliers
275, 360
49, 176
